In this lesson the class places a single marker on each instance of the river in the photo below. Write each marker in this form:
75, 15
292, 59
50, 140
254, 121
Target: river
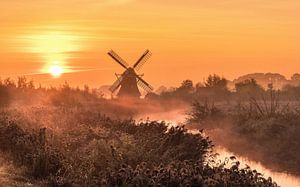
176, 117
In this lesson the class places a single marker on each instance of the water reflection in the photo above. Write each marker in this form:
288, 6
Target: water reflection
283, 179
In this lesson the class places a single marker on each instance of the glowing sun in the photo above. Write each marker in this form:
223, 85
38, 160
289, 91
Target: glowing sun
56, 70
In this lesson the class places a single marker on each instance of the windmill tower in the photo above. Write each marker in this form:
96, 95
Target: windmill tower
129, 80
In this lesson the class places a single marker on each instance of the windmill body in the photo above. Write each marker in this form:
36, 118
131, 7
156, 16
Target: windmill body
129, 80
128, 86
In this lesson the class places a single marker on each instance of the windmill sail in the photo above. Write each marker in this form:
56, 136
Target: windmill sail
118, 59
142, 83
141, 61
116, 84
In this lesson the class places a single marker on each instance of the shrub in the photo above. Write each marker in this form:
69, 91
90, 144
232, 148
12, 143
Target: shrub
203, 112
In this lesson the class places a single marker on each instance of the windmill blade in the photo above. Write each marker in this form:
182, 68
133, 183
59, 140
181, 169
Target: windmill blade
116, 84
142, 83
141, 61
118, 59
144, 86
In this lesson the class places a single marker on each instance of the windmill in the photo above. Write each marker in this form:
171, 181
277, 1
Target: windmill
129, 80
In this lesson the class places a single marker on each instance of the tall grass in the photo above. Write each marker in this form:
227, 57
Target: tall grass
96, 150
268, 126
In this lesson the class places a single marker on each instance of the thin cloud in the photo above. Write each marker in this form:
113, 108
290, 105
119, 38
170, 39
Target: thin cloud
70, 70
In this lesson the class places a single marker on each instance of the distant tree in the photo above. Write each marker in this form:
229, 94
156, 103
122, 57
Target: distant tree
187, 86
248, 86
215, 81
185, 92
295, 77
199, 85
214, 88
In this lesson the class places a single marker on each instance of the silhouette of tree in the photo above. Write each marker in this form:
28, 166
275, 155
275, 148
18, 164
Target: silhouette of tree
295, 77
248, 86
187, 86
215, 81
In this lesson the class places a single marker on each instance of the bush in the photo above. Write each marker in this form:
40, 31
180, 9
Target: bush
203, 112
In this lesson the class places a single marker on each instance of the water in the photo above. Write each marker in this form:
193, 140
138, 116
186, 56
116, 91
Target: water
176, 117
282, 179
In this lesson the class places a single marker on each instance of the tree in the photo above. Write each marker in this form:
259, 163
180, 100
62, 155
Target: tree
187, 85
248, 86
296, 77
216, 82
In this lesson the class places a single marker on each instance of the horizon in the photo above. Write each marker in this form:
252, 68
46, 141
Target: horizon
157, 87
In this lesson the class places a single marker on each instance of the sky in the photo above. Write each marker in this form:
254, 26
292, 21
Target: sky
189, 39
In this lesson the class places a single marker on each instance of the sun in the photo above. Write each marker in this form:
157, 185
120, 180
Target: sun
56, 70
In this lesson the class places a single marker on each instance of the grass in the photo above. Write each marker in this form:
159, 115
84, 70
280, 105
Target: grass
71, 137
92, 149
268, 126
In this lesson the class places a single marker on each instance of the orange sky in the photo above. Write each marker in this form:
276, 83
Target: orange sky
189, 39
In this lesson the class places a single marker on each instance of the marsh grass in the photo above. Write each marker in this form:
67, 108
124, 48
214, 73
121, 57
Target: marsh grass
96, 150
268, 125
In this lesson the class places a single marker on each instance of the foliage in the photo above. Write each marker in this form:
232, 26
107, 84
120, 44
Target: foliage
267, 125
85, 148
187, 86
28, 148
214, 87
203, 112
96, 150
216, 82
248, 86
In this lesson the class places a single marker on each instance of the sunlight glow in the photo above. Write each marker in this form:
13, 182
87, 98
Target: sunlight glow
54, 47
56, 70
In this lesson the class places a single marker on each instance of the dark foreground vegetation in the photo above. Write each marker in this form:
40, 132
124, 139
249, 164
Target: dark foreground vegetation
84, 148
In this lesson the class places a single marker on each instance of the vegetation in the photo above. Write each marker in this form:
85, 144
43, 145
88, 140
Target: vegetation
93, 149
74, 137
71, 137
263, 123
216, 89
269, 127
